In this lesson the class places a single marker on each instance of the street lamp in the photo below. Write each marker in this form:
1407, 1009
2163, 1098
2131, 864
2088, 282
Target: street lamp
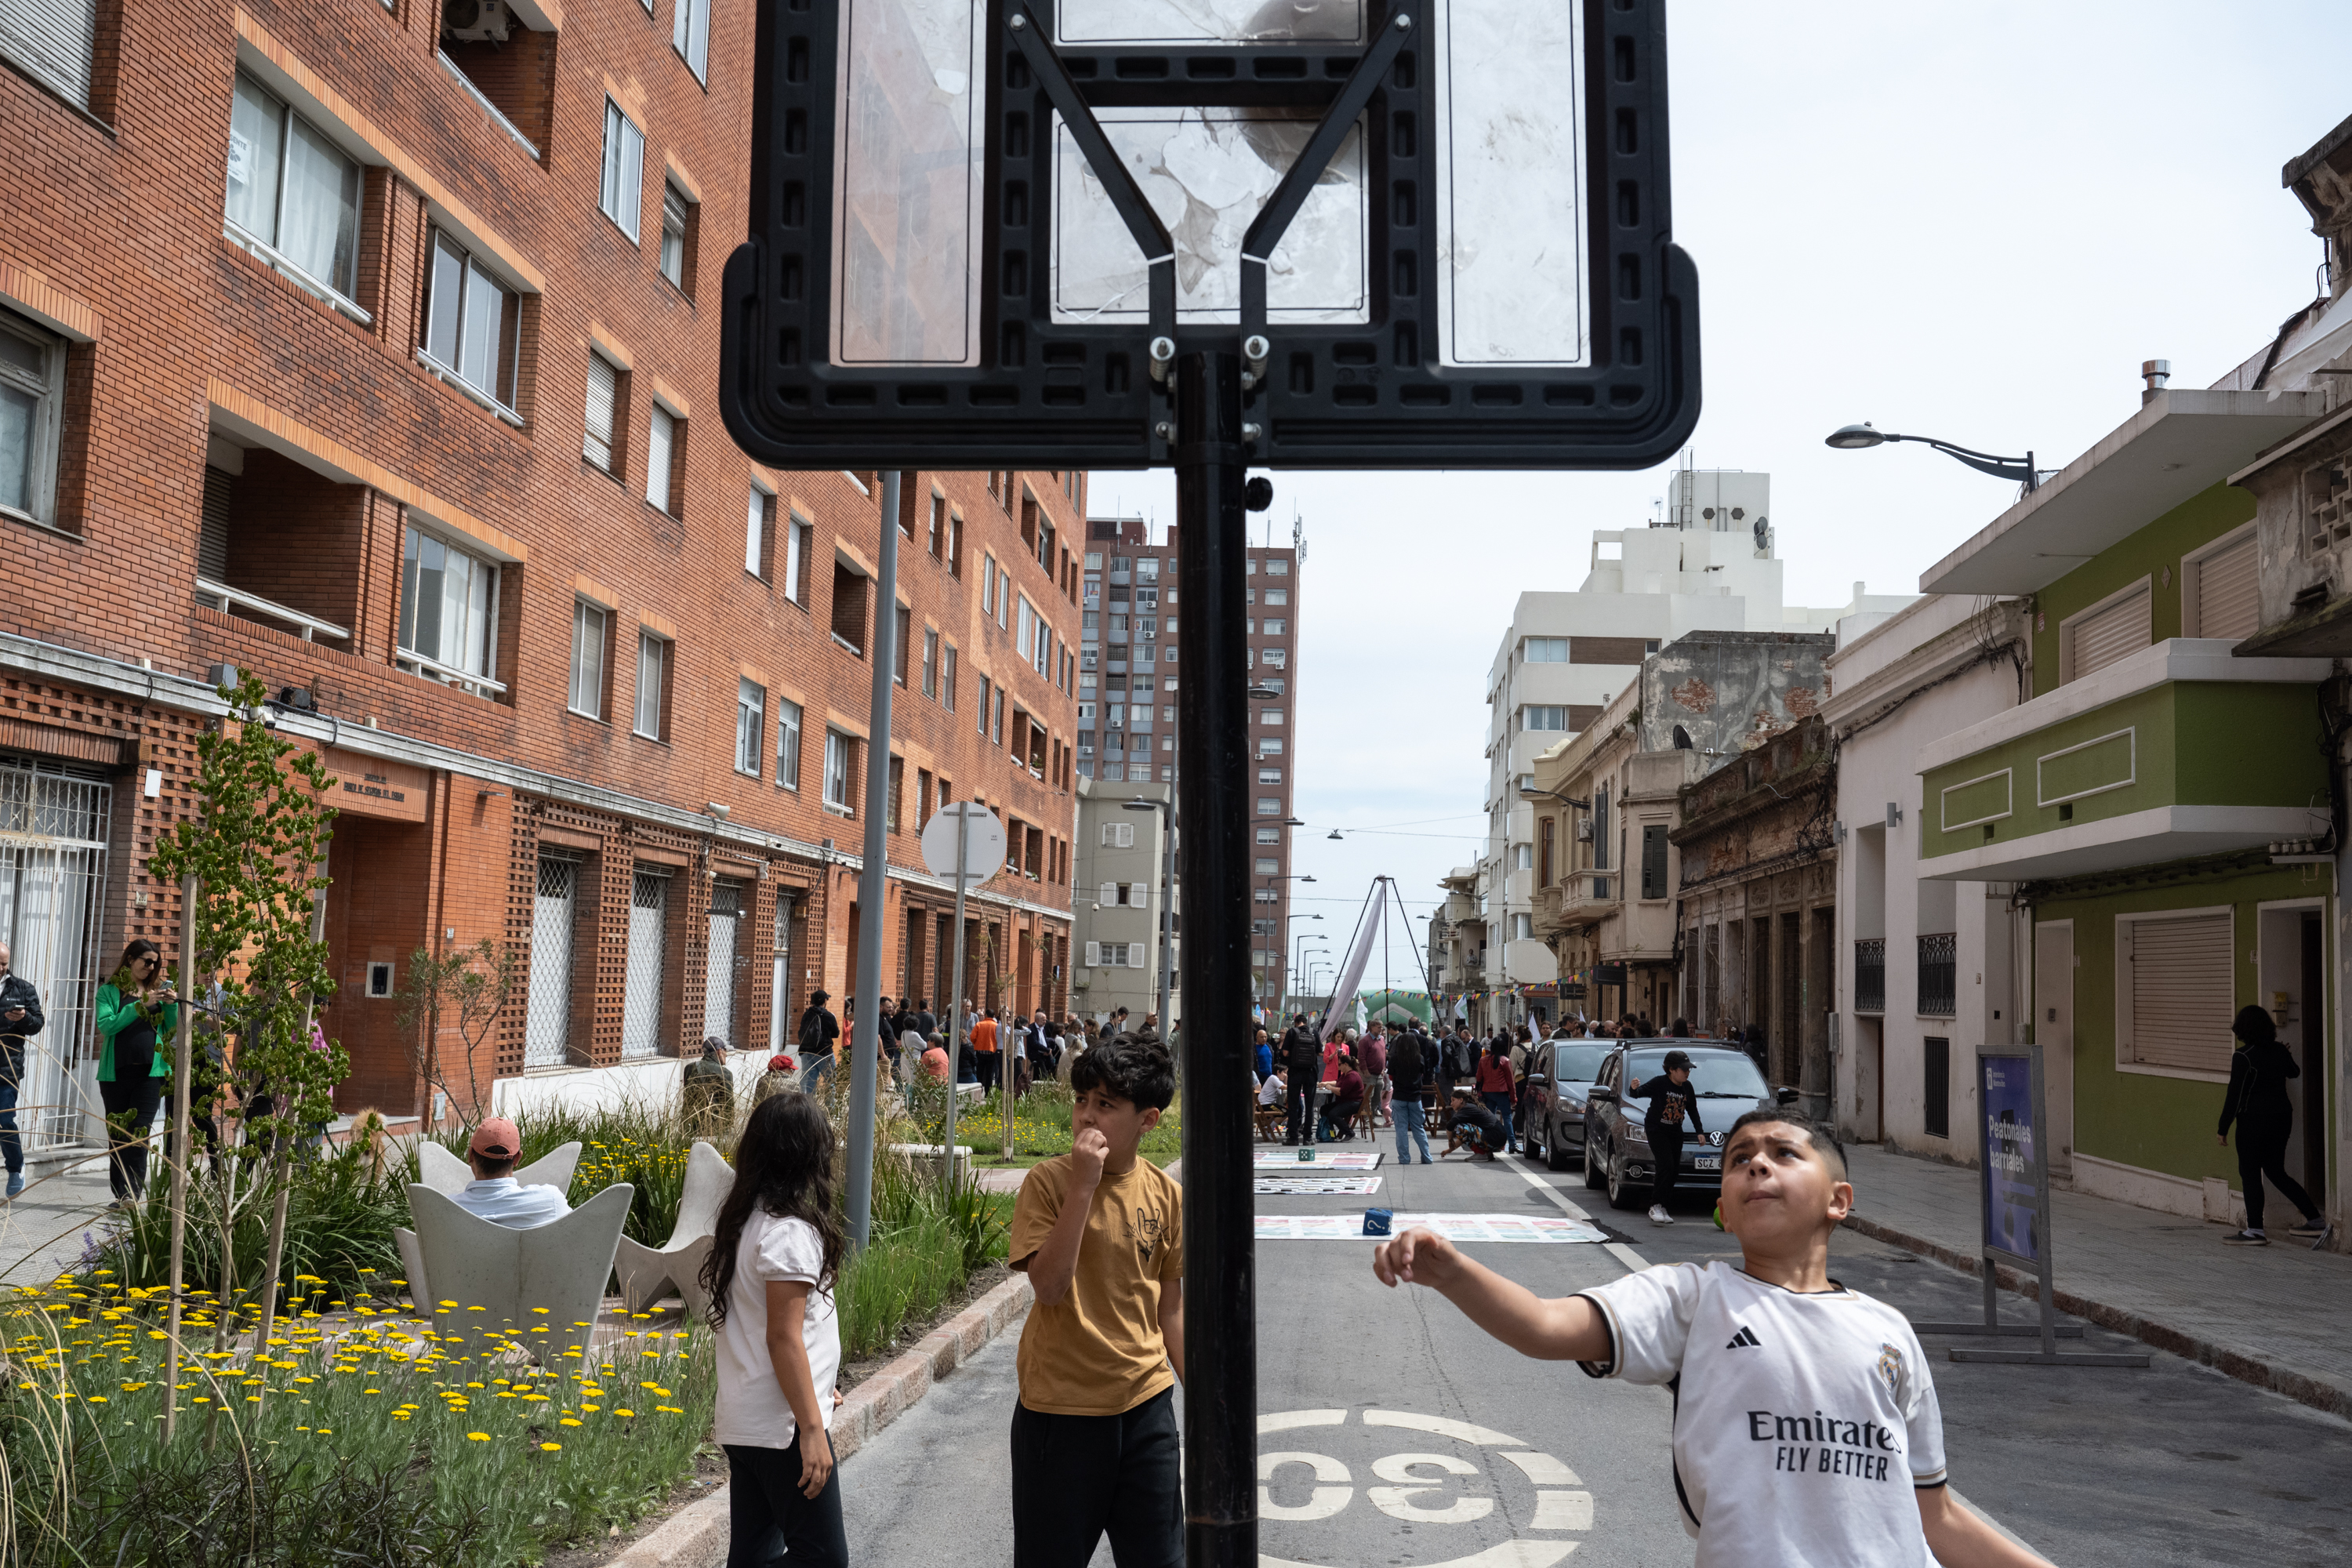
1167, 893
2020, 470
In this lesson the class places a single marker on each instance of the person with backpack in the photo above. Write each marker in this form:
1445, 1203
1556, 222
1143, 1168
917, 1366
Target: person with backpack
2258, 1102
1302, 1055
817, 1035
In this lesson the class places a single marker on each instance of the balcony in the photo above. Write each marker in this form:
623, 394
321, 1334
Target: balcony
1870, 974
2145, 761
1586, 896
1938, 976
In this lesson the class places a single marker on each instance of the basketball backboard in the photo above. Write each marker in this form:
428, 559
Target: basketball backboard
972, 219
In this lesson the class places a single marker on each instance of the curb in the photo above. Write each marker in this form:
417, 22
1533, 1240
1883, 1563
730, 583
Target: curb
2320, 1393
696, 1535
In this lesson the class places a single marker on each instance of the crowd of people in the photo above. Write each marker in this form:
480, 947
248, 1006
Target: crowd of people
995, 1049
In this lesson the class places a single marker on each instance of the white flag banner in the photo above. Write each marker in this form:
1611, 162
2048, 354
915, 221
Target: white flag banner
1351, 971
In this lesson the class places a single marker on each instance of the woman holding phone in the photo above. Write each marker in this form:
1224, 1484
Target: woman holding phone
138, 1012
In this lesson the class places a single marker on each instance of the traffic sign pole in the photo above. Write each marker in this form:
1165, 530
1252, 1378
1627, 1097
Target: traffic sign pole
873, 883
955, 996
1212, 719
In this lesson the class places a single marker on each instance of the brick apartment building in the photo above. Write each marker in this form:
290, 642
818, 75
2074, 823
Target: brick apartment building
364, 356
1128, 649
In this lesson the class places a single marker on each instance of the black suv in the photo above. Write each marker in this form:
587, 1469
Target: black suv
1616, 1152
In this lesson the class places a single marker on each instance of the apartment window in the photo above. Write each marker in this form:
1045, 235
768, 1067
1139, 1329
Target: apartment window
1269, 776
897, 792
1270, 745
1265, 895
691, 35
1653, 861
1546, 650
1543, 718
751, 725
849, 607
985, 688
998, 736
898, 654
788, 744
665, 434
291, 190
938, 540
591, 630
1523, 857
955, 548
603, 401
1274, 628
947, 681
1277, 595
473, 324
759, 535
448, 604
678, 231
923, 798
1275, 658
620, 196
931, 662
1269, 868
32, 398
2109, 632
1278, 568
1267, 805
987, 584
2219, 597
1269, 836
837, 770
55, 41
653, 671
1269, 716
799, 540
1523, 928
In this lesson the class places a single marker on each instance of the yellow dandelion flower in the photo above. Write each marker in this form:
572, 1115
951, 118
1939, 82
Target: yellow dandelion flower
478, 1437
551, 1448
570, 1421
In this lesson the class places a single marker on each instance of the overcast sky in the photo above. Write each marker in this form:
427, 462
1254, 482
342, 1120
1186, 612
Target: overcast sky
1966, 220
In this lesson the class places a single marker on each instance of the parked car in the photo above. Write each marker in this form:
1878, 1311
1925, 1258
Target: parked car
1616, 1151
1551, 1118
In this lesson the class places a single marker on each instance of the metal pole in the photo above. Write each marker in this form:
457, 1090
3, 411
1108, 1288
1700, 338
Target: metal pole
181, 1154
1220, 1276
963, 809
1167, 907
873, 882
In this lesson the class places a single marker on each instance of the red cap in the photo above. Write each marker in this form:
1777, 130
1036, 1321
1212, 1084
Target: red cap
497, 1139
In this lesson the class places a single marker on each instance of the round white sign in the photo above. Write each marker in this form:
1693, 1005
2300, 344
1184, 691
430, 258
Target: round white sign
983, 850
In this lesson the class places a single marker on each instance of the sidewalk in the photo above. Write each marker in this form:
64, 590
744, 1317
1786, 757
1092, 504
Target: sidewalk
2272, 1316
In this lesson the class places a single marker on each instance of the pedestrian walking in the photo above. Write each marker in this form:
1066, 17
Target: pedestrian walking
138, 1012
1100, 1232
1672, 1103
20, 1019
775, 1252
1372, 1062
1406, 1075
983, 1048
818, 1031
2258, 1102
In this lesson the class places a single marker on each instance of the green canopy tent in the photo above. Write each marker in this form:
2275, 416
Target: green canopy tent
1394, 1006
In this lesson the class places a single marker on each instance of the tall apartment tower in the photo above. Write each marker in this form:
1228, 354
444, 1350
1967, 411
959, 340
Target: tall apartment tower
373, 357
1707, 565
1129, 666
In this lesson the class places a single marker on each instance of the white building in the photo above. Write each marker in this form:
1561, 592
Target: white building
1115, 901
1707, 565
1928, 971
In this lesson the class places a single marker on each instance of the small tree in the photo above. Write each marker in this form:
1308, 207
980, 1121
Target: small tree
257, 848
472, 988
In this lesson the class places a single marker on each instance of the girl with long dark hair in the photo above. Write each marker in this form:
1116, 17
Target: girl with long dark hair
138, 1014
774, 1254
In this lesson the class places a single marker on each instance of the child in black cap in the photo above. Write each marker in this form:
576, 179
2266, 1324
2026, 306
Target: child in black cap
1672, 1103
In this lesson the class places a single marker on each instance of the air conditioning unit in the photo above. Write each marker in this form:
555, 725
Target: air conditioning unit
476, 21
1584, 832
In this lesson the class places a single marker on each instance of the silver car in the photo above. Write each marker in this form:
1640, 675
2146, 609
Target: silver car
1617, 1150
1551, 1115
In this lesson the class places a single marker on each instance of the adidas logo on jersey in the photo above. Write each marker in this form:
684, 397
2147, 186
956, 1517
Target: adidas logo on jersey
1745, 1336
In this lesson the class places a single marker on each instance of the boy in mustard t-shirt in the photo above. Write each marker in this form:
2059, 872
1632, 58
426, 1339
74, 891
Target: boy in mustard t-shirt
1100, 1232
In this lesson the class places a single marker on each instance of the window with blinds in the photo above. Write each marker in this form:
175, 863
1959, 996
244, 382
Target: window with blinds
603, 393
2097, 639
2223, 598
2177, 993
55, 41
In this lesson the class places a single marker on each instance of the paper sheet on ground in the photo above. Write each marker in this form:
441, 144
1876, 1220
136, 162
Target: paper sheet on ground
1454, 1227
1358, 1187
1288, 1160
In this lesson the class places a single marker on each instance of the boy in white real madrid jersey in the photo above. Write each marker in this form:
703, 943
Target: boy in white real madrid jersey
1806, 1428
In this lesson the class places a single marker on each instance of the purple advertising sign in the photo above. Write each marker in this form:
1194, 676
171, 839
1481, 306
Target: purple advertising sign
2012, 1204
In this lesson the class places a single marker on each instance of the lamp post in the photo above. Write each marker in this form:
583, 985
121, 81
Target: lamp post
1167, 892
1298, 957
2020, 470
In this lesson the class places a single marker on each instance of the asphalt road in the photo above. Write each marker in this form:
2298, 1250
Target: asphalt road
1424, 1445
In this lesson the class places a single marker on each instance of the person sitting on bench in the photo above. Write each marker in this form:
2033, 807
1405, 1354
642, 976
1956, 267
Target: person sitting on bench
1346, 1099
494, 1193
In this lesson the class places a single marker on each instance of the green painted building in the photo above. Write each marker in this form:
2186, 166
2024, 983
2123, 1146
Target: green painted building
2154, 805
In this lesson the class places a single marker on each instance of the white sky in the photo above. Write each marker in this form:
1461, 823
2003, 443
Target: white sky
1972, 221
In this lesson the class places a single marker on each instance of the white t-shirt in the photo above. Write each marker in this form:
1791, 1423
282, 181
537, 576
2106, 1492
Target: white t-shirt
1271, 1091
1802, 1422
752, 1411
517, 1205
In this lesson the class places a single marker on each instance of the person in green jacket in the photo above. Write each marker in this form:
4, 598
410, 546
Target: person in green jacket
138, 1014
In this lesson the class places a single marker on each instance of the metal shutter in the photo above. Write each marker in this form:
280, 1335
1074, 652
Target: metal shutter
2227, 603
641, 997
603, 384
1094, 956
2178, 993
212, 542
54, 39
547, 1026
718, 963
2098, 640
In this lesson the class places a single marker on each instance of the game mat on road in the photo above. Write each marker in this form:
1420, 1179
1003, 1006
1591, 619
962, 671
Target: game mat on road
1454, 1227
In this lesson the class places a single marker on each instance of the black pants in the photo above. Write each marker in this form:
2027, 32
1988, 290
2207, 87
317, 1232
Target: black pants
130, 1105
12, 1148
1074, 1477
1666, 1146
768, 1520
2262, 1151
1300, 1128
986, 1067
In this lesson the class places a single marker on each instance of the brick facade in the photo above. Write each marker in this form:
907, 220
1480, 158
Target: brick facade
189, 359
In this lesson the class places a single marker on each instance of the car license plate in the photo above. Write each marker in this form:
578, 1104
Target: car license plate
1708, 1162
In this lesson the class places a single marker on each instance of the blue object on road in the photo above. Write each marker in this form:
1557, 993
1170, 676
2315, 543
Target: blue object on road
1376, 1221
